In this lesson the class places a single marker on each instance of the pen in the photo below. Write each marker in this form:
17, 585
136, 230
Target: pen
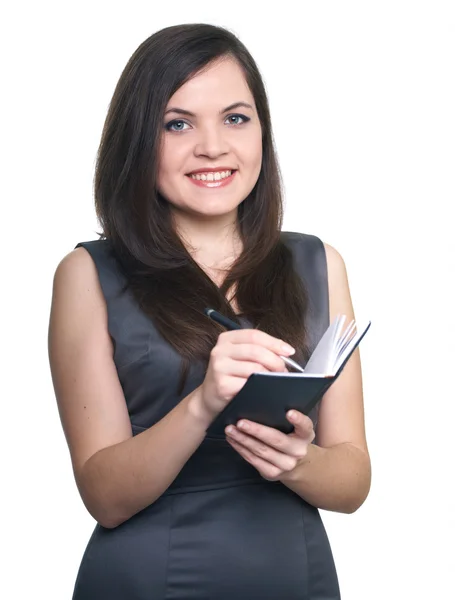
225, 322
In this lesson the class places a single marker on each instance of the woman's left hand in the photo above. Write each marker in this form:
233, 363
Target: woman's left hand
273, 453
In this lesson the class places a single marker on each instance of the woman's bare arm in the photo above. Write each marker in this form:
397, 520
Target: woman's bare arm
336, 472
117, 474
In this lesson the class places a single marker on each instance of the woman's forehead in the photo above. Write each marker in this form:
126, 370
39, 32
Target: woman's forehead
213, 89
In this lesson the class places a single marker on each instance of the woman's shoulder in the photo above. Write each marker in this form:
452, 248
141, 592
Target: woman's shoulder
75, 264
295, 237
88, 257
313, 255
75, 272
310, 242
92, 266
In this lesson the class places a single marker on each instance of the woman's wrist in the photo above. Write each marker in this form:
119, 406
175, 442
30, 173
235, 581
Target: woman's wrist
197, 410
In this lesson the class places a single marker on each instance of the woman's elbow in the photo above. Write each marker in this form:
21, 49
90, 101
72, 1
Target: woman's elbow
360, 491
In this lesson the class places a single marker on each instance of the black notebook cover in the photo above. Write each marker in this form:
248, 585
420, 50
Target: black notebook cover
266, 397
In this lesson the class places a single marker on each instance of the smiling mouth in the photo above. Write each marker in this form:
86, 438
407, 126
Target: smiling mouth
212, 175
212, 179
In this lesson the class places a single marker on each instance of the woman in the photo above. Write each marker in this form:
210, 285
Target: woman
187, 191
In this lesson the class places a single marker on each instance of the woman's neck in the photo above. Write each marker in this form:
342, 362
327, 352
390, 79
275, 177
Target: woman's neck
213, 245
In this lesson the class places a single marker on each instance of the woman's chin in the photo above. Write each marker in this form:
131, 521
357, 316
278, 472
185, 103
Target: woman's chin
212, 211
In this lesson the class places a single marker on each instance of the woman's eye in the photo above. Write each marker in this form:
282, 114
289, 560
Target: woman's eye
176, 125
237, 119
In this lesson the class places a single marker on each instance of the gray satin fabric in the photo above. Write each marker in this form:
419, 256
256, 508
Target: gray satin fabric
220, 531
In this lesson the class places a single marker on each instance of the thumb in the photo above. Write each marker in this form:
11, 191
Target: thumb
303, 425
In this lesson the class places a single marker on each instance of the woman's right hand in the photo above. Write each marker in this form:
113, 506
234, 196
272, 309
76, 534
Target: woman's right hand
236, 355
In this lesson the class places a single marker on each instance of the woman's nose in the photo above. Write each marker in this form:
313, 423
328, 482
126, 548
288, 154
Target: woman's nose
211, 142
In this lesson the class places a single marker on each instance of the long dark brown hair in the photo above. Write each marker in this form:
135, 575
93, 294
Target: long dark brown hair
167, 283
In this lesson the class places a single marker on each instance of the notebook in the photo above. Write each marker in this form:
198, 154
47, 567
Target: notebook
266, 397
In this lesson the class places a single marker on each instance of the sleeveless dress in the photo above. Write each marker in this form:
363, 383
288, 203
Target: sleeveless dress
220, 531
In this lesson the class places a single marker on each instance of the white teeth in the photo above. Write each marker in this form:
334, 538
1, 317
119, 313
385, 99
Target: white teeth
212, 176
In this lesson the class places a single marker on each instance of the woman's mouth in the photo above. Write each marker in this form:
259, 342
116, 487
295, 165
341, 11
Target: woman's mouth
212, 179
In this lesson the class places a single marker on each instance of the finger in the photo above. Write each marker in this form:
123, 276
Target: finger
284, 462
241, 368
287, 444
303, 425
257, 354
266, 469
255, 336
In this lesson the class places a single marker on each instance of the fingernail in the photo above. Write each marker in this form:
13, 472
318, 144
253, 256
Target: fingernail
288, 350
292, 415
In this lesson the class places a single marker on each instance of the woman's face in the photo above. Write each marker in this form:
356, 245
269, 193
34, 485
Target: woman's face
212, 143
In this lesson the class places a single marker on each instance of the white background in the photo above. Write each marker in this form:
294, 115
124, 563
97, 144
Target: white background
363, 104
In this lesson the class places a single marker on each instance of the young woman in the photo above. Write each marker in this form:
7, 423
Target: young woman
188, 194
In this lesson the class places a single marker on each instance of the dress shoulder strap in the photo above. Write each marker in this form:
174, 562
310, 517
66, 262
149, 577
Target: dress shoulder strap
311, 264
111, 278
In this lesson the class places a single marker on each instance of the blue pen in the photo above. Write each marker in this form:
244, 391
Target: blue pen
228, 324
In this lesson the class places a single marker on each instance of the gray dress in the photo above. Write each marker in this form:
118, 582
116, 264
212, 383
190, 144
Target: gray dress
220, 531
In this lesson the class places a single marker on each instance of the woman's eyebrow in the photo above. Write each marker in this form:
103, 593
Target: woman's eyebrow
182, 111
